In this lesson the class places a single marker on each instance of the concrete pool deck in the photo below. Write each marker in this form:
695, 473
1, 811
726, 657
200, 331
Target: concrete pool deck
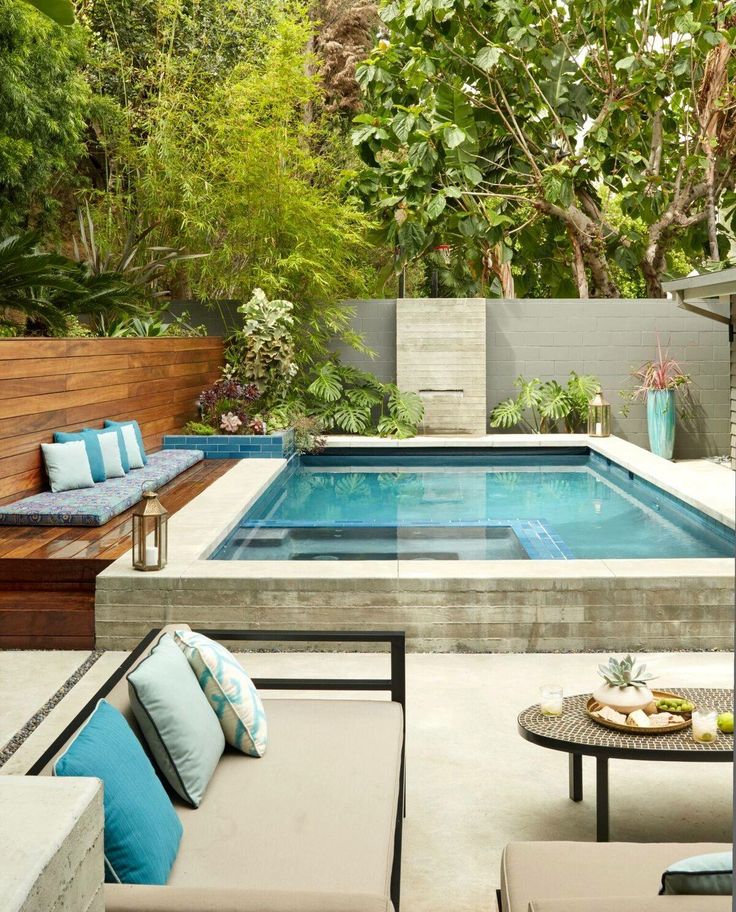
465, 606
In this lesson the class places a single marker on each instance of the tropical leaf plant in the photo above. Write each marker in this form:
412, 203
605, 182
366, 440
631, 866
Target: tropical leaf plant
345, 398
48, 289
27, 276
541, 405
328, 384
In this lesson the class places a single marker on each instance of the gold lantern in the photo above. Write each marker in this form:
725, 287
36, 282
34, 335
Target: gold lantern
599, 416
150, 533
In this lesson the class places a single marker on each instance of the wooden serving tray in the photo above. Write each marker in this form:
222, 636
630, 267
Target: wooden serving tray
592, 705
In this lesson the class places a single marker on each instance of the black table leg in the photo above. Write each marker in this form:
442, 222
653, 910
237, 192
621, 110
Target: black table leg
601, 785
576, 777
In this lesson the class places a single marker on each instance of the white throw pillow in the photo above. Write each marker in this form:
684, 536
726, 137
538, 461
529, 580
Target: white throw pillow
111, 454
135, 460
67, 465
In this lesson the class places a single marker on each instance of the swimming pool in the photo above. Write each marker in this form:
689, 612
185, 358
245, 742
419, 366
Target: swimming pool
469, 506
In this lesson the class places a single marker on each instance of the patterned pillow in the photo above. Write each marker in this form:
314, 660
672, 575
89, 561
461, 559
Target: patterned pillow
230, 691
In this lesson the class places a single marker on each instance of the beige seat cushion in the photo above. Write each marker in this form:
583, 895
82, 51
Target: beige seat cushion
635, 904
315, 814
564, 870
182, 899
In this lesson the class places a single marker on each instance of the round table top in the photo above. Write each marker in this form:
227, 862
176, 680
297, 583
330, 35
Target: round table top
576, 732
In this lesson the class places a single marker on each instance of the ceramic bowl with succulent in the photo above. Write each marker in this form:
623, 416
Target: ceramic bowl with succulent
624, 685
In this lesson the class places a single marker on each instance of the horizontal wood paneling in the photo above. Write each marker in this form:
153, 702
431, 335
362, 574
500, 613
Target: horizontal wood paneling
49, 385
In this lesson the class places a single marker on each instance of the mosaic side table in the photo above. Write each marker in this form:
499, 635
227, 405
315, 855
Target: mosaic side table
578, 735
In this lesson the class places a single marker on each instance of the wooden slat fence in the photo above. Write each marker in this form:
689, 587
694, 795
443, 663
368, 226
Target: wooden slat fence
49, 385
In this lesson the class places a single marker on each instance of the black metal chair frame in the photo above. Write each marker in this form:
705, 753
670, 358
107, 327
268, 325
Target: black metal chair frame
395, 685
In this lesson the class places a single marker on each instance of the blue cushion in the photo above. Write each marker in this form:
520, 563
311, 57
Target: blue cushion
142, 831
121, 444
700, 875
138, 435
94, 453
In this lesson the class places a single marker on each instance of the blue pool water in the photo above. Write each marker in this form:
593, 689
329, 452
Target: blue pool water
472, 506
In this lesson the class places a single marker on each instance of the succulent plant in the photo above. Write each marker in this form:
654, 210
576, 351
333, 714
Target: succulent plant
623, 673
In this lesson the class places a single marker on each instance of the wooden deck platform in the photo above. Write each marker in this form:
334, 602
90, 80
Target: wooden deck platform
47, 573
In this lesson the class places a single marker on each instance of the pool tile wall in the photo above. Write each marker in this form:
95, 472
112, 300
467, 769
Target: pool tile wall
279, 445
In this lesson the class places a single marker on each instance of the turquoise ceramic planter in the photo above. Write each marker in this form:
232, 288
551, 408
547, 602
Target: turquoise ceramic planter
661, 417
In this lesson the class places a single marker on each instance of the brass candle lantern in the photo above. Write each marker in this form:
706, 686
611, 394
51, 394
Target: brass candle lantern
150, 533
599, 416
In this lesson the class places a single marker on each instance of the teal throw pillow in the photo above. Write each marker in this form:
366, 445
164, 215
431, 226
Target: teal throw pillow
92, 445
701, 875
67, 466
136, 429
142, 831
180, 727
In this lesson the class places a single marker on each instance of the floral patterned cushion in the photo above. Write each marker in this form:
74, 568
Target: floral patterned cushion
97, 505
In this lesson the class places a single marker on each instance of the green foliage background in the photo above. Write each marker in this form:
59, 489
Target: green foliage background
44, 101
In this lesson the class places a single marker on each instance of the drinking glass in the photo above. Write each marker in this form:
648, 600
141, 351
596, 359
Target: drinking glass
550, 701
705, 726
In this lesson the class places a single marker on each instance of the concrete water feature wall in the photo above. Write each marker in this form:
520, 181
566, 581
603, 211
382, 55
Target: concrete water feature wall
441, 354
549, 338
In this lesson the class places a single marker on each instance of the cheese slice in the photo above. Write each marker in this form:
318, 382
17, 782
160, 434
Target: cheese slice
639, 719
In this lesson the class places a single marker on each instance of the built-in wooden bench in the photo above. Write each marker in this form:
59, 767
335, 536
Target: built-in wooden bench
47, 574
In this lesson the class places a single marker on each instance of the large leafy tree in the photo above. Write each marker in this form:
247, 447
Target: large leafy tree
43, 102
594, 137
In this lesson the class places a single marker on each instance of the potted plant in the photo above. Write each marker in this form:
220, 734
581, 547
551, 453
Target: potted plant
658, 382
625, 687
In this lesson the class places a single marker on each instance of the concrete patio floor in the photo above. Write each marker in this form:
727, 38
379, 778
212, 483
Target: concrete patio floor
473, 784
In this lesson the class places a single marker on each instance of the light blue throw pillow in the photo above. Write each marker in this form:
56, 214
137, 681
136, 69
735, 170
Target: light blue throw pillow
179, 726
142, 831
67, 466
92, 445
701, 875
138, 436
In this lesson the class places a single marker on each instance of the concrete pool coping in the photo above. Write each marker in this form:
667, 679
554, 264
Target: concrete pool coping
552, 593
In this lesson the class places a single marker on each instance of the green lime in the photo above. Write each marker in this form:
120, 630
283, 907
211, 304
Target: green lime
725, 723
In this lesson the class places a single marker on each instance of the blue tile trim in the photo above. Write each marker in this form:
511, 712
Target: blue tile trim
279, 445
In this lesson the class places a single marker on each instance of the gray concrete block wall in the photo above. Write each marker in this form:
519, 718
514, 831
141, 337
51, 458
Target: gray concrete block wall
549, 338
375, 320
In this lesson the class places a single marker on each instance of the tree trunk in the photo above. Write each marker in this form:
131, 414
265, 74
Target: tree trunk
578, 266
588, 235
710, 115
502, 270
